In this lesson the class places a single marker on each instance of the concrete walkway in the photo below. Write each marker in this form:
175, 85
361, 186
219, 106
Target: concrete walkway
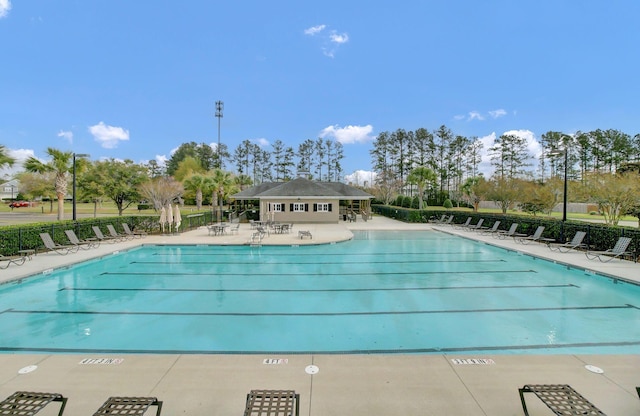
345, 384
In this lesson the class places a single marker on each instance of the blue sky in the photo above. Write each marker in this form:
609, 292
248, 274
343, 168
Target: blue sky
135, 79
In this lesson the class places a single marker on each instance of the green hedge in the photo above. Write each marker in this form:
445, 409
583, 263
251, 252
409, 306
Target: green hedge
599, 236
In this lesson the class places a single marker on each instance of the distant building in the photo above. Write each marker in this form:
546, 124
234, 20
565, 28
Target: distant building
9, 190
305, 201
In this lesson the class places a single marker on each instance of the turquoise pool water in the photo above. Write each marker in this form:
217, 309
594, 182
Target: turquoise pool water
383, 292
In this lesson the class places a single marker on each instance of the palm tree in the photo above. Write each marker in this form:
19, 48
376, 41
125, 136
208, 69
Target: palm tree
222, 184
5, 159
61, 163
197, 184
421, 177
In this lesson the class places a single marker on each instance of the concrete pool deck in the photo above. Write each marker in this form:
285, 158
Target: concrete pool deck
345, 384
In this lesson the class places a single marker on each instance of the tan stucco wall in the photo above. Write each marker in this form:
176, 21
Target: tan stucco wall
302, 217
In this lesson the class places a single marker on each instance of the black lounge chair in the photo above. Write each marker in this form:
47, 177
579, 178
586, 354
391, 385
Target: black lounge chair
619, 250
130, 406
562, 399
575, 243
58, 248
26, 403
132, 233
83, 244
17, 260
272, 403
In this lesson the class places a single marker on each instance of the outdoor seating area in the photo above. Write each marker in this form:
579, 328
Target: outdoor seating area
618, 251
562, 399
575, 243
57, 248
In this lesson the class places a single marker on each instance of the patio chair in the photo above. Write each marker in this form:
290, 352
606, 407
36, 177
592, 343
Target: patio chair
575, 243
17, 260
26, 403
98, 232
83, 244
116, 235
562, 399
58, 248
477, 226
492, 230
130, 406
234, 228
509, 233
132, 233
461, 226
619, 250
272, 403
436, 220
536, 237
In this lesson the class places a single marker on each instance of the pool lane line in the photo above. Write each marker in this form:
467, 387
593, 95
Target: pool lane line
298, 262
313, 314
384, 253
364, 273
390, 289
433, 350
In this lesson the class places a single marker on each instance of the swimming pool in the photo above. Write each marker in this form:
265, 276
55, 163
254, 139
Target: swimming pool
383, 292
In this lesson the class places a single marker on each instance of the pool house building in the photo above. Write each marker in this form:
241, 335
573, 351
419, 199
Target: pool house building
305, 201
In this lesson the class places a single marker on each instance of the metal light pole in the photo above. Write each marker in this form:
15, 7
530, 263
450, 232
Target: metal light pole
564, 202
219, 108
74, 182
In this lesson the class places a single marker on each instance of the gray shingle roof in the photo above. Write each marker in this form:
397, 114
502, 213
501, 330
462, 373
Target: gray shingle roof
301, 187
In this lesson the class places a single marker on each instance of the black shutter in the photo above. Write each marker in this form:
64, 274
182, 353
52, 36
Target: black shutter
306, 207
330, 207
291, 207
315, 207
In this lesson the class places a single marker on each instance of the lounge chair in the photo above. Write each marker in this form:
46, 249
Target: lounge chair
58, 248
83, 244
130, 406
477, 226
510, 233
562, 399
116, 235
98, 232
536, 237
272, 402
26, 403
492, 230
575, 243
132, 233
17, 260
435, 220
465, 225
619, 250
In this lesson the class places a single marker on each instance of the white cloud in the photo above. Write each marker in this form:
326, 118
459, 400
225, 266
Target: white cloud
474, 115
313, 30
67, 135
20, 156
108, 136
348, 134
339, 39
361, 178
262, 142
533, 146
459, 117
498, 113
5, 6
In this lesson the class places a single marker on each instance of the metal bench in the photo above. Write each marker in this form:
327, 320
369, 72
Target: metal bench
272, 403
562, 399
27, 403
